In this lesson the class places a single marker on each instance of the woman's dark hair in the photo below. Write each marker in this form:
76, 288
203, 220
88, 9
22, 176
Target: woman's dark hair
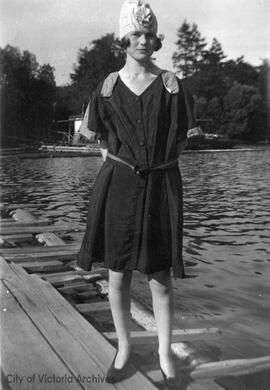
125, 42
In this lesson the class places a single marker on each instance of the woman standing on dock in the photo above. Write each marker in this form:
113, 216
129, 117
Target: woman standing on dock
141, 116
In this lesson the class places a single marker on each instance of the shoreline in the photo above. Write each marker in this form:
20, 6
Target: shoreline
94, 153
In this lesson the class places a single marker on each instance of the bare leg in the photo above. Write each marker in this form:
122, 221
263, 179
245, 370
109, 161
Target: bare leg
162, 294
119, 297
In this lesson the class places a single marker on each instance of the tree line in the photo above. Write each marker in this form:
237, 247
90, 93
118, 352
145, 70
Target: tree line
231, 96
28, 93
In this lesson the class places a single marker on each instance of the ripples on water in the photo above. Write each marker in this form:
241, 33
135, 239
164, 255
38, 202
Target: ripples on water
227, 213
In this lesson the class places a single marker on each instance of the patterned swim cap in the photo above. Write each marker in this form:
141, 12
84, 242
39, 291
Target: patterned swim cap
136, 15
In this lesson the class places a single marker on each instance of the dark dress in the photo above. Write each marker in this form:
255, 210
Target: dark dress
136, 222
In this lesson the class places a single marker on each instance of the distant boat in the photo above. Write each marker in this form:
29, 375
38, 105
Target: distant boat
212, 141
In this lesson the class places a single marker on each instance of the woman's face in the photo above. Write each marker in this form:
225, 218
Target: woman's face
142, 44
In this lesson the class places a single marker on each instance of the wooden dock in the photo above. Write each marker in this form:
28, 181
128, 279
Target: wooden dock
57, 327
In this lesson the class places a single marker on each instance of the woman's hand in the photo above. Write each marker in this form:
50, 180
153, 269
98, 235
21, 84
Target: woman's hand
104, 153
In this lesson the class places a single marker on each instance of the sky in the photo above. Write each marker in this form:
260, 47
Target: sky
54, 30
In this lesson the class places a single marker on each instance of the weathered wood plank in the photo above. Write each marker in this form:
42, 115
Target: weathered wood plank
56, 332
93, 306
178, 335
39, 249
18, 224
89, 276
39, 257
50, 239
69, 288
44, 266
17, 238
40, 229
93, 343
62, 277
25, 352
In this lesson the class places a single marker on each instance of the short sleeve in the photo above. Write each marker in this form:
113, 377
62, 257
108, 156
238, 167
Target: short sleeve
93, 126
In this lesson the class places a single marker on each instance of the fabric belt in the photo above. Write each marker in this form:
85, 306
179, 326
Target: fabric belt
144, 170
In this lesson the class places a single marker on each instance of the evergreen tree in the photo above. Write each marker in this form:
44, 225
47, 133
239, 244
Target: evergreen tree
94, 64
214, 56
27, 92
190, 47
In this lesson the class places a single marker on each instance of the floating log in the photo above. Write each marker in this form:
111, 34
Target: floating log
22, 215
93, 306
49, 239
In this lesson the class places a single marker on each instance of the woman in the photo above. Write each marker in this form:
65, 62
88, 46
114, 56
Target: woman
141, 117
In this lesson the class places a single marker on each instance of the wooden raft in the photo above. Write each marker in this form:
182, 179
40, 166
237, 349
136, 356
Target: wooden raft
68, 342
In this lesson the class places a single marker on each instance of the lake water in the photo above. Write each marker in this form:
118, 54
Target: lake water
227, 231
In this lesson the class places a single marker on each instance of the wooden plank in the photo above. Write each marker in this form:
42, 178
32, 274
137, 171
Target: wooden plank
59, 278
178, 335
26, 250
57, 333
66, 256
99, 351
50, 239
44, 266
88, 295
40, 229
17, 238
89, 276
93, 306
25, 352
69, 288
14, 224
